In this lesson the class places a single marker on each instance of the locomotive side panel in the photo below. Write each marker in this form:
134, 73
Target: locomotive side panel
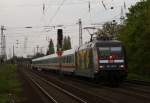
84, 63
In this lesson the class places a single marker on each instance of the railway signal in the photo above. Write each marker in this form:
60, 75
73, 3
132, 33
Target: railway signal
59, 52
59, 38
59, 48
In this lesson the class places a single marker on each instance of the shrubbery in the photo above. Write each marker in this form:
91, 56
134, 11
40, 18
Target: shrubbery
136, 36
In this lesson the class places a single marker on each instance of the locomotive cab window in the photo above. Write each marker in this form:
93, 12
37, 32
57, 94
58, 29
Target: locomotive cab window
117, 52
105, 52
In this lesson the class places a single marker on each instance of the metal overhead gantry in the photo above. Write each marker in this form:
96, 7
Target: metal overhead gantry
3, 55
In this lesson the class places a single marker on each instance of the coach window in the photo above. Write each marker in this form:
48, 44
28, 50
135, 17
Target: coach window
53, 60
63, 59
70, 59
67, 59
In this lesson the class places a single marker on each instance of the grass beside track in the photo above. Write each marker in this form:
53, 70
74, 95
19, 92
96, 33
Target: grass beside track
10, 86
133, 76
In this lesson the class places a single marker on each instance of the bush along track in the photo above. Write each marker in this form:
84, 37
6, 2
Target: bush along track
10, 86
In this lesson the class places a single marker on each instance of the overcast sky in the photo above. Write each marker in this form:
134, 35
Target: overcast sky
15, 15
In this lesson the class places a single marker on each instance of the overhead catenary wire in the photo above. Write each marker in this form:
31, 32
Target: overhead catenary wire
57, 11
42, 27
104, 5
62, 3
37, 27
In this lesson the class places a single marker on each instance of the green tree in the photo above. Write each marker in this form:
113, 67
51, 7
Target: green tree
66, 43
109, 30
51, 49
38, 55
69, 42
136, 36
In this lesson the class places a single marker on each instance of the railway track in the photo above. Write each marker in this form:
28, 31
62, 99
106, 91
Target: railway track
138, 82
54, 93
125, 93
141, 92
44, 91
74, 94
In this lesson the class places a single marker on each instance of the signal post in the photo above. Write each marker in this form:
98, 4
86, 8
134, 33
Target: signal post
59, 49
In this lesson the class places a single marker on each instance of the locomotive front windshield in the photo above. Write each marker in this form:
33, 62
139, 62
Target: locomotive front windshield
106, 52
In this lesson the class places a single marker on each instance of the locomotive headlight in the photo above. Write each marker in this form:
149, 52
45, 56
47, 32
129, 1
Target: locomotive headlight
101, 66
121, 66
96, 71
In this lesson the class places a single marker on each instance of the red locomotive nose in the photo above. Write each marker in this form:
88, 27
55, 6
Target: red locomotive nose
111, 59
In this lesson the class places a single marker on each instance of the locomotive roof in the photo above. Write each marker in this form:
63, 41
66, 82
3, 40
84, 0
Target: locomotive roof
67, 52
44, 57
98, 43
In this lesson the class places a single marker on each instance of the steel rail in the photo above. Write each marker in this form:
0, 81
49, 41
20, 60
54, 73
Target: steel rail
62, 90
138, 82
42, 89
98, 96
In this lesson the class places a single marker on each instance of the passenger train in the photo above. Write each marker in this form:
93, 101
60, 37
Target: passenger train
100, 60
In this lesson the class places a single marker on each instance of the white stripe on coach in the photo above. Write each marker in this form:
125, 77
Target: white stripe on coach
103, 61
119, 61
115, 61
